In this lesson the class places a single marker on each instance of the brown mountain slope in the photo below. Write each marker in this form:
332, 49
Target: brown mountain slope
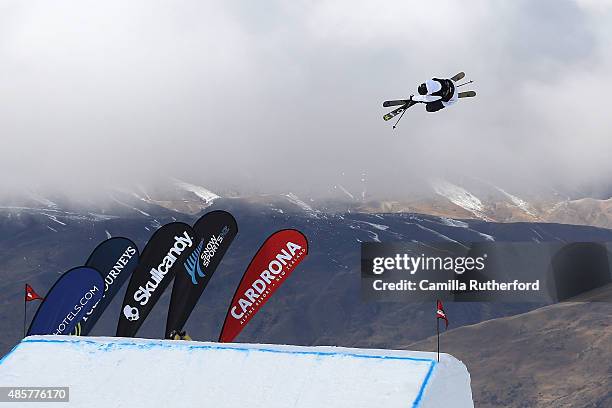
555, 356
587, 211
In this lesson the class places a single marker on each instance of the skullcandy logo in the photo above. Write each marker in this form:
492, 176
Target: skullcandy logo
131, 313
181, 243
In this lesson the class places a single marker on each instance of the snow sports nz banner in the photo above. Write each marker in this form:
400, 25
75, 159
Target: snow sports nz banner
73, 295
116, 258
270, 267
215, 232
164, 254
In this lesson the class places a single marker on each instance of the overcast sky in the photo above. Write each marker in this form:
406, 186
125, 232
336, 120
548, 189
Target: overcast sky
286, 95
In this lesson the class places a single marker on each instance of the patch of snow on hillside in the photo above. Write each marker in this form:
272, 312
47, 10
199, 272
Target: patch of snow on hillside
52, 213
146, 197
297, 201
449, 222
377, 226
204, 194
460, 197
518, 202
54, 218
345, 191
133, 208
437, 234
487, 237
373, 235
42, 200
101, 217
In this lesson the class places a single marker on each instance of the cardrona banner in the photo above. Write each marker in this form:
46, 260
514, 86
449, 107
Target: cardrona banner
163, 255
215, 231
116, 258
73, 295
272, 264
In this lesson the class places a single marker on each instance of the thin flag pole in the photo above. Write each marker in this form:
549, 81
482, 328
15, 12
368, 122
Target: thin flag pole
438, 335
24, 310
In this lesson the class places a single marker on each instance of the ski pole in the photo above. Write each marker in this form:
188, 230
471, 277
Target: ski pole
465, 83
400, 118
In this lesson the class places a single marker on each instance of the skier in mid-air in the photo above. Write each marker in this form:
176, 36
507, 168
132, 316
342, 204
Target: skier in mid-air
435, 93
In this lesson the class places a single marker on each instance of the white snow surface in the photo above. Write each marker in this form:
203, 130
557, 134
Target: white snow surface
121, 372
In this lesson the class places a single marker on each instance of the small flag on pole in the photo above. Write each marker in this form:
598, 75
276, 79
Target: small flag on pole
440, 314
30, 294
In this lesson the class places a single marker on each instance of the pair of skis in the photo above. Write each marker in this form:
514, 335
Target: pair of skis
407, 103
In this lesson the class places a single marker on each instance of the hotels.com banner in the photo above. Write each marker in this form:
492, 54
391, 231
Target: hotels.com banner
270, 267
72, 296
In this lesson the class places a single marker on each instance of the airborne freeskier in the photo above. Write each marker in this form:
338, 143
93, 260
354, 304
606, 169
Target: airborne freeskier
435, 93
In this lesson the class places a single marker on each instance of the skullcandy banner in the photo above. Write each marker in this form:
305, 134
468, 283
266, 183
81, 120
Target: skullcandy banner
116, 258
72, 296
269, 268
162, 257
214, 232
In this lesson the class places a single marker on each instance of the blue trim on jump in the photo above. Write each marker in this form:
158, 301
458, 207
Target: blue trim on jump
419, 396
9, 353
176, 345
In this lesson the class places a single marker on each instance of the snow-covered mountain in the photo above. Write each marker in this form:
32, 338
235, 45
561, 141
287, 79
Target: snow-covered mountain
42, 236
320, 304
480, 200
463, 199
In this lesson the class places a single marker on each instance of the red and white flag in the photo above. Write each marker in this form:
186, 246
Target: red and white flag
440, 313
30, 294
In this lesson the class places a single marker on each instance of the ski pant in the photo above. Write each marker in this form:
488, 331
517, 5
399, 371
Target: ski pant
434, 106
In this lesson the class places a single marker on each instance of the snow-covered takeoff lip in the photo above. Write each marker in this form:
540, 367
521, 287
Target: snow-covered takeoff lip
139, 372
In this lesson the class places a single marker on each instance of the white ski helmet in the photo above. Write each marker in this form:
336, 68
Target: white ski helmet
428, 87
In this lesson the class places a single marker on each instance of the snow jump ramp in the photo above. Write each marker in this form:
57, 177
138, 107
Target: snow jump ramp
121, 372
